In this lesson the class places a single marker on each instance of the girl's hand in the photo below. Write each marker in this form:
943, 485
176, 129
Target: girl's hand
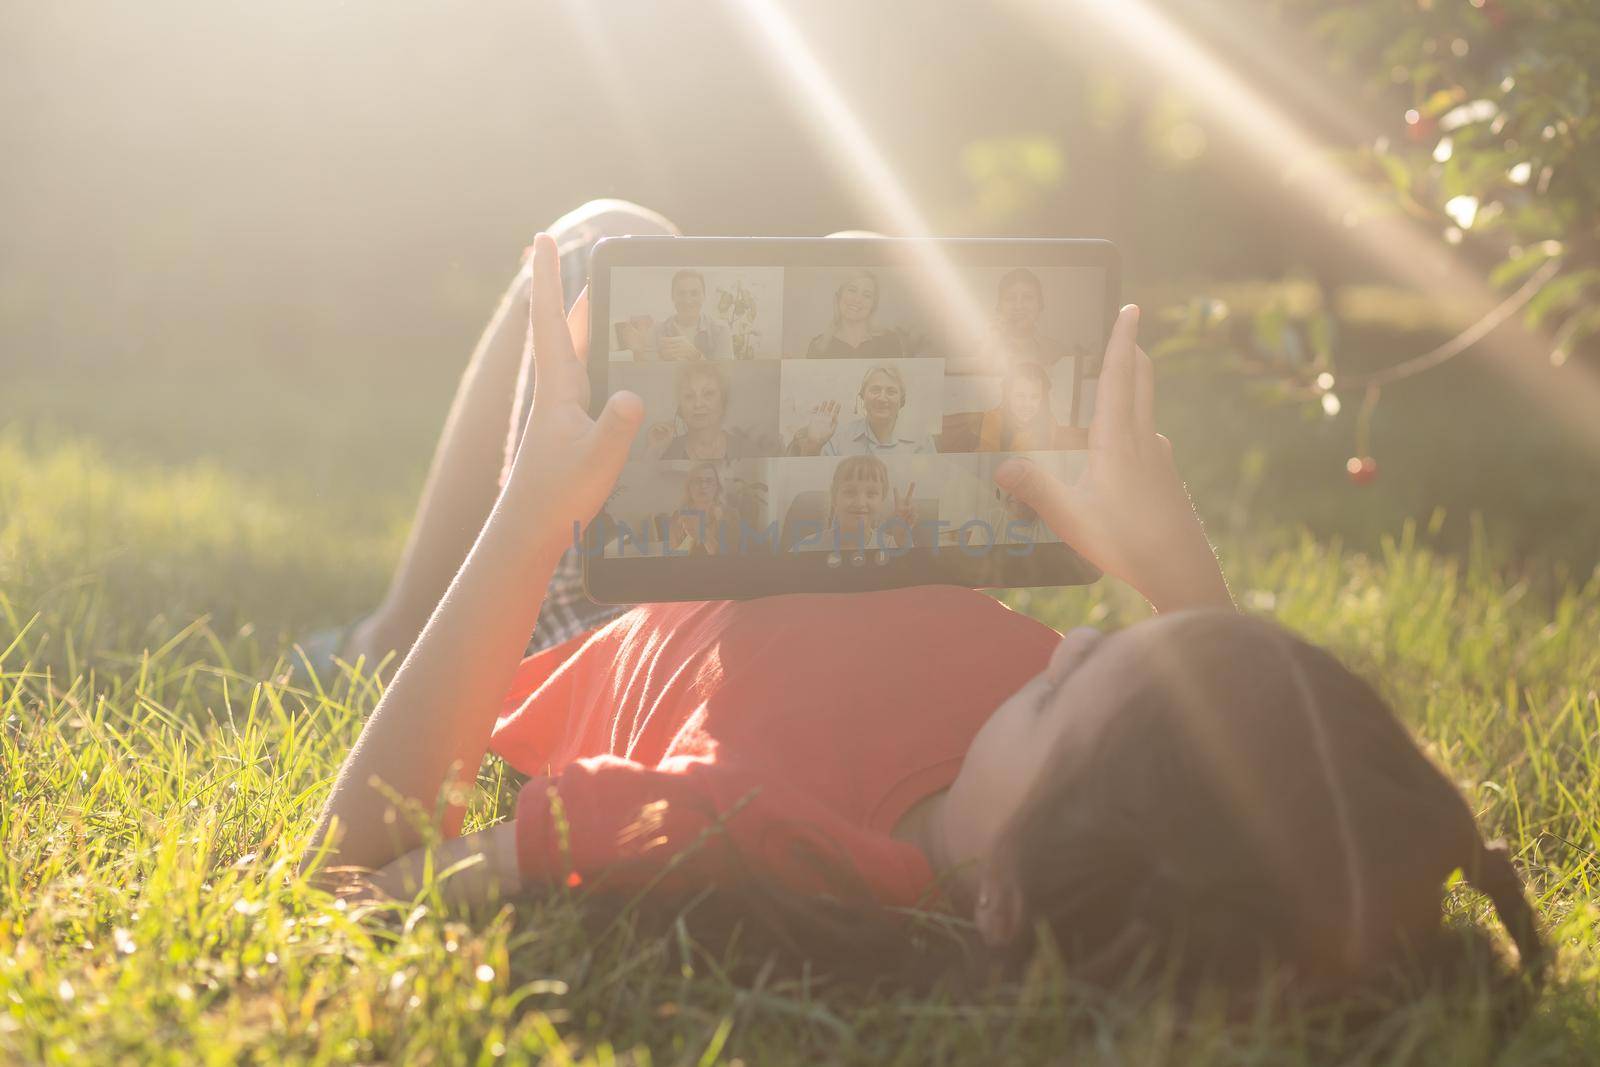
568, 462
905, 510
1128, 513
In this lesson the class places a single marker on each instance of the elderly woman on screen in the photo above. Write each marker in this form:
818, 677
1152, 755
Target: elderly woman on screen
698, 431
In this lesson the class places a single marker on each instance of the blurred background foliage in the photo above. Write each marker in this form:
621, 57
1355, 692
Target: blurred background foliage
263, 238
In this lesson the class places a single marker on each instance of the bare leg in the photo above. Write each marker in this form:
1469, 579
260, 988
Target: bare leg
462, 482
479, 435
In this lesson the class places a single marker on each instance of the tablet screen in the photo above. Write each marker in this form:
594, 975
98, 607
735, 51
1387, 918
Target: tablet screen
829, 414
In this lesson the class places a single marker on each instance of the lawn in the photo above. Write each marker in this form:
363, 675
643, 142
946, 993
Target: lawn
161, 775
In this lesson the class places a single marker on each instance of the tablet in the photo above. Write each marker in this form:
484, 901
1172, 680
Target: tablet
826, 415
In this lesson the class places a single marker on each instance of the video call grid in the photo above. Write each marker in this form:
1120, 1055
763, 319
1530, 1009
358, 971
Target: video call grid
952, 464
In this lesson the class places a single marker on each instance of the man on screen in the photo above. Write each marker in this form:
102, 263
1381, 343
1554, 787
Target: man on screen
688, 334
875, 432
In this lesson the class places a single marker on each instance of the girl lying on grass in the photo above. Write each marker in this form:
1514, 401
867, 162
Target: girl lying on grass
1203, 786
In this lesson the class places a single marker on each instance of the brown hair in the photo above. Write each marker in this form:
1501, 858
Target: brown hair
672, 286
691, 372
1043, 421
1019, 276
1251, 805
1251, 810
857, 468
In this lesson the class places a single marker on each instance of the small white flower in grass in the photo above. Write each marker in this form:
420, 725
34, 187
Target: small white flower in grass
124, 941
1520, 173
65, 992
1444, 149
1330, 404
484, 973
1324, 381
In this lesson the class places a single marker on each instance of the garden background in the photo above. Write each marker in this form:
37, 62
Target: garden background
245, 250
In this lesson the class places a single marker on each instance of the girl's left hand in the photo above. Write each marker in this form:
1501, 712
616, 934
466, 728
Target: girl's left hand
568, 462
905, 509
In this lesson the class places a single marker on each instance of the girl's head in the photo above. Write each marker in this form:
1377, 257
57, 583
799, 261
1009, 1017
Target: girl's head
702, 396
858, 500
1207, 790
1026, 393
702, 489
856, 301
882, 394
1019, 302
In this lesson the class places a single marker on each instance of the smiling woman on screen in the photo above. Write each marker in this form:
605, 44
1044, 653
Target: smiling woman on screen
854, 333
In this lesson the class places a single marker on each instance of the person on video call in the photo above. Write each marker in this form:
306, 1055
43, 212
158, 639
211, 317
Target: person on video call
876, 431
865, 511
688, 335
695, 528
853, 334
1006, 521
1023, 421
703, 396
1014, 336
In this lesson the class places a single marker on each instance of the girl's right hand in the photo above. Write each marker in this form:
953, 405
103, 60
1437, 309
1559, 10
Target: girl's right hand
568, 461
1128, 513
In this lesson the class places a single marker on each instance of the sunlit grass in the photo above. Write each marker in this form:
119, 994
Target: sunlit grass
159, 778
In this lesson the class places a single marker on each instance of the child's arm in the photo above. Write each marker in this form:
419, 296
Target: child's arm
1129, 513
432, 726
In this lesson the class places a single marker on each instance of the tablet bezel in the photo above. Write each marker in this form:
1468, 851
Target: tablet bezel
654, 579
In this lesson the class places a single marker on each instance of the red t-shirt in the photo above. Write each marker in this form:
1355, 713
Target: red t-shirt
795, 729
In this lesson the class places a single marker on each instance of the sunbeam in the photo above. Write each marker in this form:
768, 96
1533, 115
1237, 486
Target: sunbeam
879, 190
1145, 36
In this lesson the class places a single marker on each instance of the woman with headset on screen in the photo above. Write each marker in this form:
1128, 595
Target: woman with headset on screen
699, 433
876, 429
853, 334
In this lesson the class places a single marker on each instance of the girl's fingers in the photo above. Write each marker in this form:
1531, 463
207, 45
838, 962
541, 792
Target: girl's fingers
578, 325
1113, 424
1054, 500
1144, 395
553, 357
612, 435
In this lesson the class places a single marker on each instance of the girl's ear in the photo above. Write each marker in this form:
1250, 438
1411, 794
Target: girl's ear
998, 913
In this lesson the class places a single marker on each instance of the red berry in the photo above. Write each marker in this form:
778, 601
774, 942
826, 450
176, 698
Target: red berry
1420, 127
1363, 470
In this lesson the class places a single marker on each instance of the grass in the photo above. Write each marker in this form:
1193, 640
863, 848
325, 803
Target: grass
160, 777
